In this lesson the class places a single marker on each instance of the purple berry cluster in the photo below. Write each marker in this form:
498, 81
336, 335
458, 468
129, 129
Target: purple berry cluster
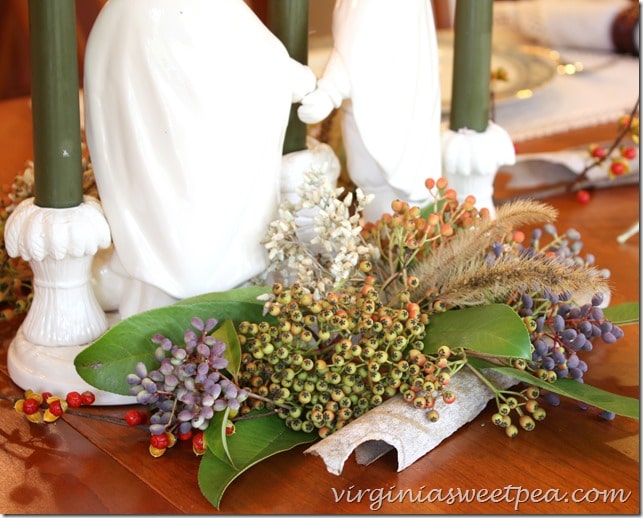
564, 331
188, 386
564, 328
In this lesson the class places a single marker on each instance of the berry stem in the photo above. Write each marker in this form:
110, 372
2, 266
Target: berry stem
488, 357
79, 413
621, 135
106, 418
485, 380
581, 181
9, 398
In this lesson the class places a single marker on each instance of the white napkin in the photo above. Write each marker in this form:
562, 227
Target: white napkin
533, 170
569, 23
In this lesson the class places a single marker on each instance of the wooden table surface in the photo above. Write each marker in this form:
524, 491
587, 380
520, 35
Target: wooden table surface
573, 463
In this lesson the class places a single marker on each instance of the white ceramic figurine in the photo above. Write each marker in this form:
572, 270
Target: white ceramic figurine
383, 71
187, 103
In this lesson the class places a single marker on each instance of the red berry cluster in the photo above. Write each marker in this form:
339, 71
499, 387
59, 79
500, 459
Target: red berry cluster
45, 407
619, 155
619, 159
135, 417
159, 443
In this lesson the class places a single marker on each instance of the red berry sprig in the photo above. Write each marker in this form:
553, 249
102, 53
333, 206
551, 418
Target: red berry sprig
45, 407
159, 443
135, 417
618, 155
198, 443
583, 196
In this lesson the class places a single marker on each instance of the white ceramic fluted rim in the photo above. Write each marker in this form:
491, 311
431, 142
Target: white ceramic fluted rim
35, 233
467, 152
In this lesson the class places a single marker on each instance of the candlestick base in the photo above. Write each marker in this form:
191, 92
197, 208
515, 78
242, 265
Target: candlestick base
65, 316
44, 368
471, 159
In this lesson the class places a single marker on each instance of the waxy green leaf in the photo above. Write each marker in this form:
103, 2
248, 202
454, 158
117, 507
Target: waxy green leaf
623, 314
227, 333
106, 363
255, 439
494, 329
599, 398
216, 439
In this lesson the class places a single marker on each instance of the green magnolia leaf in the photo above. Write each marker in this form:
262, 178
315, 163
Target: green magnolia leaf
216, 439
494, 329
247, 294
623, 314
106, 362
254, 440
227, 333
621, 405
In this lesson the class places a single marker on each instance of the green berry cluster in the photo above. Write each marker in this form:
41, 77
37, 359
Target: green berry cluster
322, 363
429, 377
524, 404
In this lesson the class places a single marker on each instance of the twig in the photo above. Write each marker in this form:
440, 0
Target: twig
581, 181
72, 411
626, 129
561, 188
634, 229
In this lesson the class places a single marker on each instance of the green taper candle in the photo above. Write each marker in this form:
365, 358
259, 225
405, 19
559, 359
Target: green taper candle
288, 20
471, 65
54, 96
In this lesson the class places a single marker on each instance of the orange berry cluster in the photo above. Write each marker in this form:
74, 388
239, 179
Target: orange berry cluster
428, 380
407, 233
45, 407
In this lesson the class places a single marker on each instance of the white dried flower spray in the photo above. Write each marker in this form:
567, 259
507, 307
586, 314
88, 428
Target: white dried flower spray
316, 239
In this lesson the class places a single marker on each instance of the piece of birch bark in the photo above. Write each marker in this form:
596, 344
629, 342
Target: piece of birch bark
397, 424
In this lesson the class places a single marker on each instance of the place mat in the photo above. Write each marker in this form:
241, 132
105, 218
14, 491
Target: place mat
606, 89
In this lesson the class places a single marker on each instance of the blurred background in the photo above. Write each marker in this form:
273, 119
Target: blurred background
14, 34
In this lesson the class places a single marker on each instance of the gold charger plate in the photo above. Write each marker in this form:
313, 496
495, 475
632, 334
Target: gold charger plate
528, 68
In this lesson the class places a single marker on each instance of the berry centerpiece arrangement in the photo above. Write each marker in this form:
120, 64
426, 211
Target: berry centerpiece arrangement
349, 316
342, 322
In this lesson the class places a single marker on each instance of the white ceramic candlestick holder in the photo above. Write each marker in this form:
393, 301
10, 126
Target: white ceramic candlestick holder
65, 316
471, 159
